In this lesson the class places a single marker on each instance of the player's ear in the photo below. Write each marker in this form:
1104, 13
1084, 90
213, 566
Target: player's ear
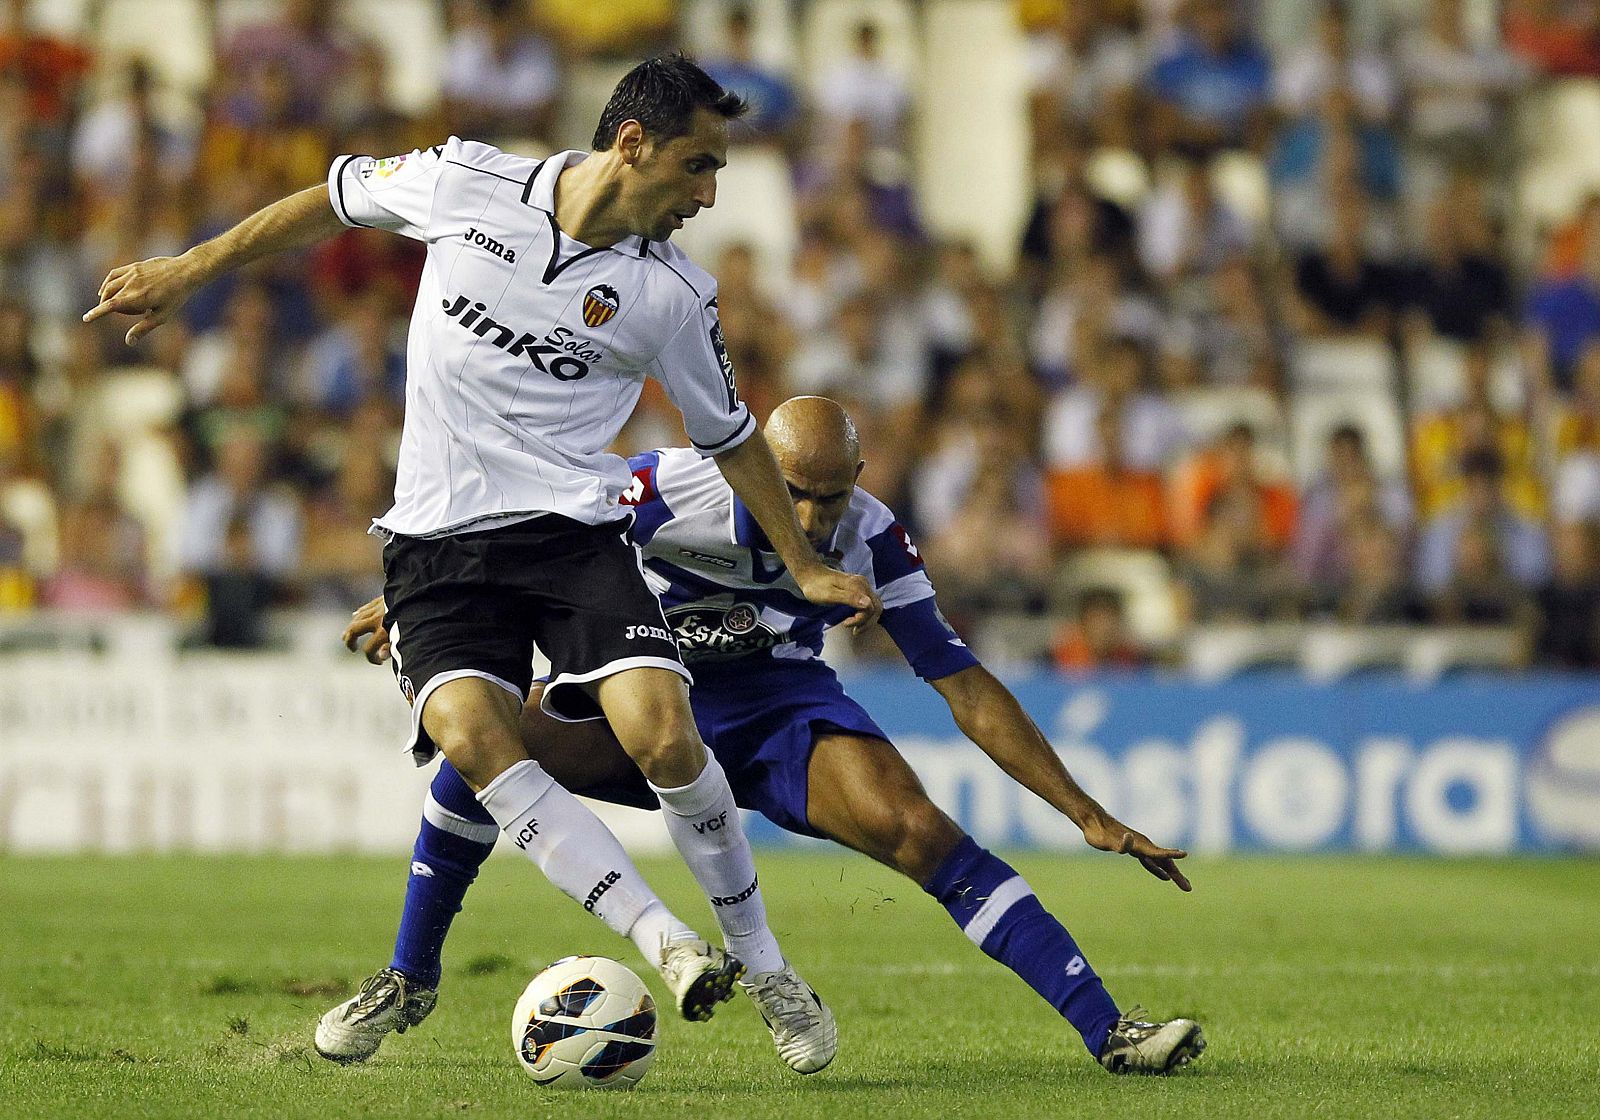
630, 141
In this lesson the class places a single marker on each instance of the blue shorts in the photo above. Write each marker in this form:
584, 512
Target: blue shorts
762, 723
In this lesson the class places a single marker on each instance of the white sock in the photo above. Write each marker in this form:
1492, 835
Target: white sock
654, 928
579, 855
704, 823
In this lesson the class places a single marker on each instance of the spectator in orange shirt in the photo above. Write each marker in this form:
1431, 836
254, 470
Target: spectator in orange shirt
1230, 463
1099, 638
1107, 503
51, 68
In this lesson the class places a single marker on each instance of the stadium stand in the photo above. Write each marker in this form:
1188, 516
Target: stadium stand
1099, 335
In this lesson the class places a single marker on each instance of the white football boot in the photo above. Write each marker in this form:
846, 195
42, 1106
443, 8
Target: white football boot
700, 976
802, 1026
1135, 1046
388, 1001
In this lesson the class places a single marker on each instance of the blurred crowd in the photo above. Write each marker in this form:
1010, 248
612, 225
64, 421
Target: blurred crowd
1275, 340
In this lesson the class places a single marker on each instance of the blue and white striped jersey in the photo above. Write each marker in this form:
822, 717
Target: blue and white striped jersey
729, 598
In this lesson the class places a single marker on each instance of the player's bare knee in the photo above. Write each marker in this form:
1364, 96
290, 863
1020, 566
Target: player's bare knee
669, 754
479, 741
923, 837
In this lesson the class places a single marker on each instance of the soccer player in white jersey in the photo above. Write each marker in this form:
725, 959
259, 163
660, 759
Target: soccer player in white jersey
795, 746
550, 293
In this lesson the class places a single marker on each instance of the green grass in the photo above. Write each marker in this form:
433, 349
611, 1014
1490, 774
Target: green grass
156, 987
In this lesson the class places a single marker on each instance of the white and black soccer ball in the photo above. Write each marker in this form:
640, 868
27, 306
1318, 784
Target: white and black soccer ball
585, 1023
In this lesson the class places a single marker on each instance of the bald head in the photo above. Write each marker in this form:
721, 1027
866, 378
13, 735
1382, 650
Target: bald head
814, 436
819, 455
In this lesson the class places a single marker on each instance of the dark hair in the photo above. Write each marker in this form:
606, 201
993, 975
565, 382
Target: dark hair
1484, 462
1099, 598
662, 94
1351, 434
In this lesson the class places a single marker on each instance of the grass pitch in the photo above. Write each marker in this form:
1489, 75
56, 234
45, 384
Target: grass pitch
189, 986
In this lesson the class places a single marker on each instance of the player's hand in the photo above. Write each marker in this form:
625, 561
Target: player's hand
822, 584
152, 289
1111, 835
367, 622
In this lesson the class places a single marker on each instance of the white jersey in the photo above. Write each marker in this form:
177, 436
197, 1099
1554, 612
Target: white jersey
527, 349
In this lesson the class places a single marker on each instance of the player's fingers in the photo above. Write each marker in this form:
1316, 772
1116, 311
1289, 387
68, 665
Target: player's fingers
1177, 877
102, 308
144, 326
858, 621
1145, 847
114, 279
353, 634
1154, 867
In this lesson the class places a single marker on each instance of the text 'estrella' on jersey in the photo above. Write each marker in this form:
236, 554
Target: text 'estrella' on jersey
528, 350
728, 596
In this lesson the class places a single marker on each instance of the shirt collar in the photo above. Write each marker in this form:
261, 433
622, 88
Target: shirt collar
540, 193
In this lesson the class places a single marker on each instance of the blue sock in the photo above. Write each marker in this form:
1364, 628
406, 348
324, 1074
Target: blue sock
997, 910
457, 836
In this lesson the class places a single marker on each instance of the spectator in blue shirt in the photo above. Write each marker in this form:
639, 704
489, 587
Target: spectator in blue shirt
1212, 90
774, 106
1564, 316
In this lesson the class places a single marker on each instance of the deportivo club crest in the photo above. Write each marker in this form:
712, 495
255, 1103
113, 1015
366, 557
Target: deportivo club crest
599, 304
740, 619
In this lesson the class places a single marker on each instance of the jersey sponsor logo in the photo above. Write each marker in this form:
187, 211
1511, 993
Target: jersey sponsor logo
711, 632
599, 304
641, 490
560, 353
475, 236
660, 633
707, 558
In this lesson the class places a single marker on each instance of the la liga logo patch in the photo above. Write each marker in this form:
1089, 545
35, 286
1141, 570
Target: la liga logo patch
600, 303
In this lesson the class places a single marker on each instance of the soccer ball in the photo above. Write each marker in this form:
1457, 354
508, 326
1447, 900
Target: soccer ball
585, 1023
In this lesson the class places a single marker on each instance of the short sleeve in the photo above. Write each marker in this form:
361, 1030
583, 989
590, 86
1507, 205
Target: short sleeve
394, 193
929, 645
697, 374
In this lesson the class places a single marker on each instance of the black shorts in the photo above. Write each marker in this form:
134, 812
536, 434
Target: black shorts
475, 604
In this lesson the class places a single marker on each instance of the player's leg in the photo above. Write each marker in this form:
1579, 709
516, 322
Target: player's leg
613, 656
648, 710
457, 834
862, 793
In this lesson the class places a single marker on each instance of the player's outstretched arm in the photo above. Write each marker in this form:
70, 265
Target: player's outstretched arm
991, 717
752, 471
154, 289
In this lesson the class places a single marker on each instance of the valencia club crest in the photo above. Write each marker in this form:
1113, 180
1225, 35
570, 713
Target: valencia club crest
599, 304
